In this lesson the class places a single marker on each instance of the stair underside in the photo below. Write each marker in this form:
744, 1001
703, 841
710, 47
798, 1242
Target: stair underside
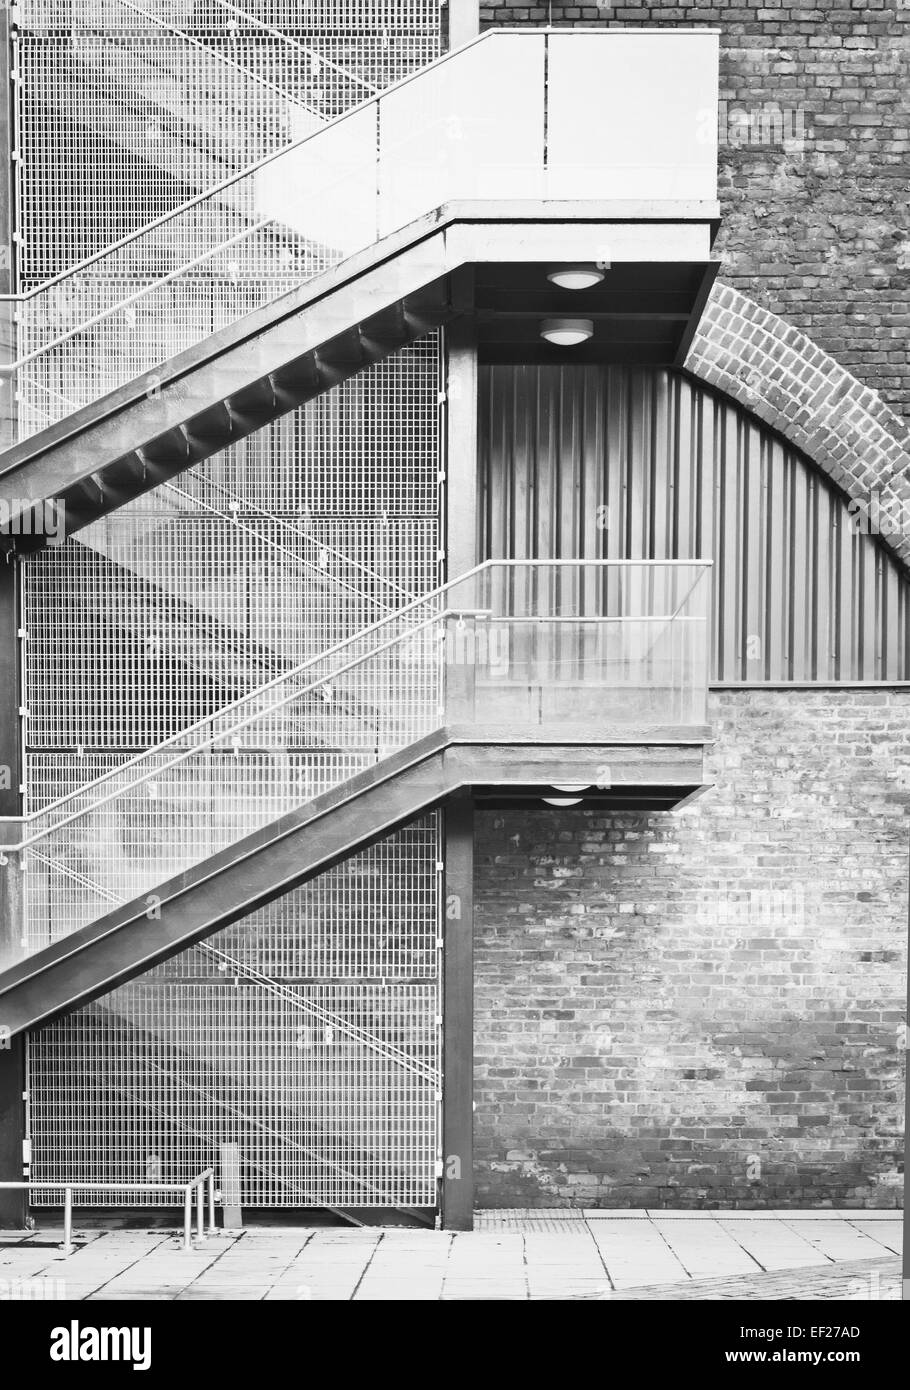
275, 359
659, 772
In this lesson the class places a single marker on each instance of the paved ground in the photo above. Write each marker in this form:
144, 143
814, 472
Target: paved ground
511, 1255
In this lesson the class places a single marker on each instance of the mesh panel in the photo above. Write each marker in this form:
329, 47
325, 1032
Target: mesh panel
260, 559
308, 1034
329, 1086
126, 108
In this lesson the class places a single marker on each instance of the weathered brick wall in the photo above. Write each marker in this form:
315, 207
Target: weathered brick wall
781, 376
814, 154
705, 1008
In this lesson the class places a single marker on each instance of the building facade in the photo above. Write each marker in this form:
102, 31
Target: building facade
580, 881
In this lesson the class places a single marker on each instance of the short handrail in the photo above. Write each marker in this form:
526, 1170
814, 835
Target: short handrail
203, 1182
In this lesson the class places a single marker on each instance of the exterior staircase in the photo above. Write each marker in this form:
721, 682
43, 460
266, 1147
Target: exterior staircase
519, 678
345, 246
470, 686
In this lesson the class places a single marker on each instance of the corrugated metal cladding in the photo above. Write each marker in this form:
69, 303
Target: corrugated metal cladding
616, 462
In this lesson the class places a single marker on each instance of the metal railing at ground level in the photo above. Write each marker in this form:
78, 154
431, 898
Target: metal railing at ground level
203, 1182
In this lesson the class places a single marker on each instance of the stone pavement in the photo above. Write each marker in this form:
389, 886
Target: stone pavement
511, 1255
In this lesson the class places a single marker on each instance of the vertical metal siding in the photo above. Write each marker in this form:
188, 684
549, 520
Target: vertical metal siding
799, 593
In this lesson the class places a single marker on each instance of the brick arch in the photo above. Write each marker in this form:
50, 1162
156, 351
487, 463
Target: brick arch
789, 383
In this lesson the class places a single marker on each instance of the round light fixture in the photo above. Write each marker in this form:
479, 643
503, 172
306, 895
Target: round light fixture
571, 787
567, 332
576, 277
562, 800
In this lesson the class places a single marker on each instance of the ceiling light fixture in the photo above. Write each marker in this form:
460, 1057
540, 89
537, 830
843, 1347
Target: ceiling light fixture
570, 787
562, 800
576, 277
567, 332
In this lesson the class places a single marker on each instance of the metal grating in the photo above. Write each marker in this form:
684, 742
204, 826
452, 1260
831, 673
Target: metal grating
156, 1082
260, 559
324, 1071
372, 917
309, 1034
126, 127
126, 108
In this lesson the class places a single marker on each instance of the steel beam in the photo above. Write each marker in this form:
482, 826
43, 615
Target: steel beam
458, 1017
281, 856
461, 431
13, 1205
8, 281
157, 415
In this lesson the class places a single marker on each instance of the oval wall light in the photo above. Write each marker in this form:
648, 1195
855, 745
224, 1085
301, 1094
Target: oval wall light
575, 277
567, 332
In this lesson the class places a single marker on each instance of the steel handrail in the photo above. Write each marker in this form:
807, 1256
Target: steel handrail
7, 367
205, 1179
224, 184
361, 635
301, 47
236, 504
221, 57
317, 685
389, 1051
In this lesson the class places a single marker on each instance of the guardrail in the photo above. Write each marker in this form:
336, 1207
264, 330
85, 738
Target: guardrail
513, 117
204, 1181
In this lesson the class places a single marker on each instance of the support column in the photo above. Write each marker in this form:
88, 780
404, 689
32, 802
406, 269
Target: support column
13, 1205
905, 1263
11, 770
462, 516
458, 1017
464, 21
8, 278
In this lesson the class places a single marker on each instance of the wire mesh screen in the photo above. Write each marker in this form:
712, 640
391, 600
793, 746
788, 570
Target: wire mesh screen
308, 1035
372, 917
126, 108
260, 559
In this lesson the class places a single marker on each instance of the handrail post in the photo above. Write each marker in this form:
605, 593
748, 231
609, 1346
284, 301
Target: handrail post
9, 270
460, 663
200, 1203
188, 1217
211, 1201
464, 22
67, 1221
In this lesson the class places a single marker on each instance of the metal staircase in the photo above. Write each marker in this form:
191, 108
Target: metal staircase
325, 257
198, 331
467, 686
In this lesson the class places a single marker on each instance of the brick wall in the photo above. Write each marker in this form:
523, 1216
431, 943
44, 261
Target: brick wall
705, 1008
785, 379
813, 164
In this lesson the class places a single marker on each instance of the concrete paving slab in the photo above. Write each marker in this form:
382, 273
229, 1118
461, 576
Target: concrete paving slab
704, 1248
519, 1255
773, 1245
837, 1239
889, 1234
636, 1253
